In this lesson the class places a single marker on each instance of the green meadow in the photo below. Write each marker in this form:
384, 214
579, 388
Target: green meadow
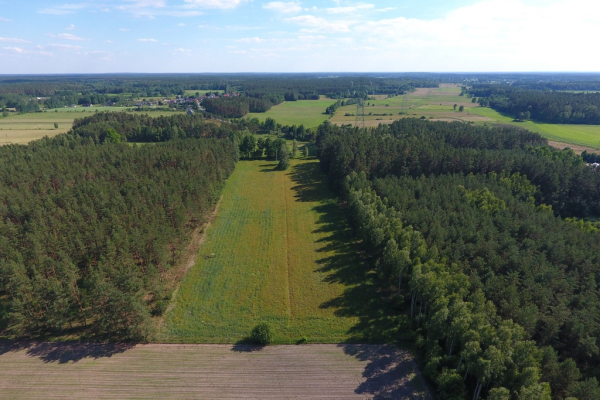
276, 253
310, 113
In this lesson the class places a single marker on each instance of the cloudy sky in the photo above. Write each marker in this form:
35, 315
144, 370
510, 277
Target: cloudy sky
49, 36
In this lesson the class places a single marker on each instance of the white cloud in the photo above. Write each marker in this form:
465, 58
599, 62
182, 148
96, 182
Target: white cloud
5, 19
61, 46
318, 24
250, 40
221, 4
494, 35
13, 40
124, 29
108, 41
64, 9
283, 7
70, 28
351, 9
182, 50
153, 8
181, 24
67, 36
15, 49
147, 40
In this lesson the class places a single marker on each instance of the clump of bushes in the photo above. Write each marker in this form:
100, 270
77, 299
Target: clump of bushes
261, 334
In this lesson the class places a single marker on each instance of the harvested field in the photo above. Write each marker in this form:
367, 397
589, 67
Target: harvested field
158, 371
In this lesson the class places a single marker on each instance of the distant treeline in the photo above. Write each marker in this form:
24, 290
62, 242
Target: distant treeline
89, 228
545, 106
460, 223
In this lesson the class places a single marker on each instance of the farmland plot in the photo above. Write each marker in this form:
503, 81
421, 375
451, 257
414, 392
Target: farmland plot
265, 259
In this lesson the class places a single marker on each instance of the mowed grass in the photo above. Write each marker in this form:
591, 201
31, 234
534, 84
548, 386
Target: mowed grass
310, 113
269, 257
583, 135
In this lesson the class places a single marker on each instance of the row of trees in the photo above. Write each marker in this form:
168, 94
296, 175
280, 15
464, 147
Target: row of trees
501, 291
89, 228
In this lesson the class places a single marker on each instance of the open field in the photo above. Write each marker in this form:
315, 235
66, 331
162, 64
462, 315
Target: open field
271, 255
310, 113
582, 135
23, 128
93, 371
438, 105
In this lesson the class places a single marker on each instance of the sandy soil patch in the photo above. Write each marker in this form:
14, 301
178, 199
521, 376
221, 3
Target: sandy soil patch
577, 149
159, 371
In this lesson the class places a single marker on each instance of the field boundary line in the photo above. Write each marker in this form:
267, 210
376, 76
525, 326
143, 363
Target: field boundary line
193, 250
287, 245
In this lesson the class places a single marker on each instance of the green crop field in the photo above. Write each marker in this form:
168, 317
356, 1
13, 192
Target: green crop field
310, 113
272, 255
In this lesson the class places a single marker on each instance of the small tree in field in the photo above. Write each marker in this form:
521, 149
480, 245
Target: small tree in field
284, 157
306, 151
294, 149
261, 334
55, 125
461, 108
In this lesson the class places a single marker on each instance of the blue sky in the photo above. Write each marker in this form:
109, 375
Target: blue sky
98, 36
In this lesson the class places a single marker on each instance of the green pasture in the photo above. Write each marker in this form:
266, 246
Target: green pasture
582, 135
310, 113
278, 252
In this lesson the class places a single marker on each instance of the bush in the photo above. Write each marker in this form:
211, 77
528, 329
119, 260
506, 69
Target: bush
261, 334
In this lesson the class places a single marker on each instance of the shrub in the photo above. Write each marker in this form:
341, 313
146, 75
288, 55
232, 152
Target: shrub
261, 334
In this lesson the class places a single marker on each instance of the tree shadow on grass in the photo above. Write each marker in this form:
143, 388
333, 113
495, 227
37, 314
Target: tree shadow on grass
379, 316
390, 373
65, 351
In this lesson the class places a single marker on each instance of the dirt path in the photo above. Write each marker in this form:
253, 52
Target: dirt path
576, 148
92, 371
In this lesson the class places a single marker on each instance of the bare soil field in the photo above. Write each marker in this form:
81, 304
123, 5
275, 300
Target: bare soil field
162, 371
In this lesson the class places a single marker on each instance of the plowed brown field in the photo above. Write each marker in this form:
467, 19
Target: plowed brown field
162, 371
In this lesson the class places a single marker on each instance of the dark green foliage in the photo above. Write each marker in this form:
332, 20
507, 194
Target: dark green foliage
413, 147
143, 128
590, 157
261, 334
88, 231
461, 213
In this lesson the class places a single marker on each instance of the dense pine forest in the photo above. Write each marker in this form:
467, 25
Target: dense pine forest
475, 232
90, 227
540, 105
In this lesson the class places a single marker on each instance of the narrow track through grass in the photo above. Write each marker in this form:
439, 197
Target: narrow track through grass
268, 257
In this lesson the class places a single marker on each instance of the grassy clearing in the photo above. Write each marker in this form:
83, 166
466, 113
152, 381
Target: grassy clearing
268, 257
310, 113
